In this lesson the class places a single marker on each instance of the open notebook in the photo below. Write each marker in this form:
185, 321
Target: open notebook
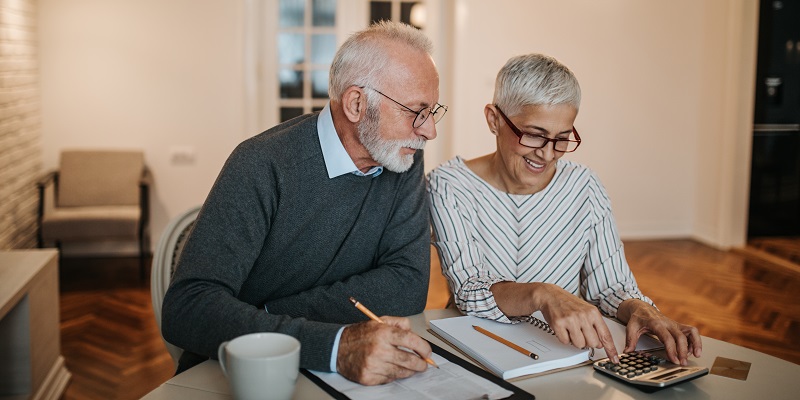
533, 335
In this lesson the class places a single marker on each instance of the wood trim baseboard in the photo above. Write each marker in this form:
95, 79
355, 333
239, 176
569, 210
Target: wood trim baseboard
55, 383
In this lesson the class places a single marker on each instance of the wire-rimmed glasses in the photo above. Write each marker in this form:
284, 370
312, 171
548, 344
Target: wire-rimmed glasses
539, 141
437, 110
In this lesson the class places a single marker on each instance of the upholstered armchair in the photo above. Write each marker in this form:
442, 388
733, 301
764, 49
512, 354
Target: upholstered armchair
96, 196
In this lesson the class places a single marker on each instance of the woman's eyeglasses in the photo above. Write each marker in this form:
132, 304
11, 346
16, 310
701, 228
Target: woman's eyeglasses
539, 141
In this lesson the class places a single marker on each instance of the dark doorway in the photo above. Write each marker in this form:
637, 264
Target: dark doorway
775, 169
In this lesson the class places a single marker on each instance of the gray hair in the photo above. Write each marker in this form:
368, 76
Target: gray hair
363, 56
535, 79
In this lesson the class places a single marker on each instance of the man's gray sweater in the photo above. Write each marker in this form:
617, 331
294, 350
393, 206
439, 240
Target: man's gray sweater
276, 232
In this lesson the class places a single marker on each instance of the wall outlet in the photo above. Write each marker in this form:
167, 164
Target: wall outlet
182, 155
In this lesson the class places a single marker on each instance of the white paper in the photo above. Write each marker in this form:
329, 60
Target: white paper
449, 382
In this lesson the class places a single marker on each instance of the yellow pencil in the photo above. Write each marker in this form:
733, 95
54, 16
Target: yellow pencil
375, 318
506, 342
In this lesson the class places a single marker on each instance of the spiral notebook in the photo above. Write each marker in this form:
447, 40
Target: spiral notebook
533, 334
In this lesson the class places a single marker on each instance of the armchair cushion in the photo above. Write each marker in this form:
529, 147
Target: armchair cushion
99, 178
67, 224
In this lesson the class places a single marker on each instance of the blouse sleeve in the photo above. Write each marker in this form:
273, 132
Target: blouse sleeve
461, 258
607, 279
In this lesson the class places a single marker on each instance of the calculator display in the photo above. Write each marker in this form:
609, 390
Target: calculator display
668, 375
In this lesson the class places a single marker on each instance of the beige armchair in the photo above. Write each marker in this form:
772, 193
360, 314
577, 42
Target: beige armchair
96, 196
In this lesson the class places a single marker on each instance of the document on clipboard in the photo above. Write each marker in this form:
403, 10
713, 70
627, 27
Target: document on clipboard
455, 379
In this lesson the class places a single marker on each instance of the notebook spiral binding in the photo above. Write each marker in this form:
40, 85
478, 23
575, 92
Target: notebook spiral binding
537, 323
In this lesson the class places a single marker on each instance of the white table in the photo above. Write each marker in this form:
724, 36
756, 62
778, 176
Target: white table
769, 378
31, 365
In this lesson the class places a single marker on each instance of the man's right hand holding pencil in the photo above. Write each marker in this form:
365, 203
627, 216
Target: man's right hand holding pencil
371, 353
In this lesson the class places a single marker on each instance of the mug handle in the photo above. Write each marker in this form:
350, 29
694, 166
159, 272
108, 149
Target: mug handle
221, 356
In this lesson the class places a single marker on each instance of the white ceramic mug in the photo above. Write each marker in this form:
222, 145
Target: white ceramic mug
261, 365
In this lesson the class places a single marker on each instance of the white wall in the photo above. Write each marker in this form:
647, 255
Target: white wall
653, 76
152, 74
659, 92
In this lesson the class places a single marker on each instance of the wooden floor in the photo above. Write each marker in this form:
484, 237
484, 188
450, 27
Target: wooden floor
733, 296
113, 348
109, 337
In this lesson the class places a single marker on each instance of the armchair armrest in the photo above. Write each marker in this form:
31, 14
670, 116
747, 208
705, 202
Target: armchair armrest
47, 188
46, 179
147, 177
145, 182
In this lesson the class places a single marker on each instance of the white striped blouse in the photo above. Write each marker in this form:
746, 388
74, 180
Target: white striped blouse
565, 234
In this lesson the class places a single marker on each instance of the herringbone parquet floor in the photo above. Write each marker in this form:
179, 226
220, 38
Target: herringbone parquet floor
114, 351
109, 337
732, 296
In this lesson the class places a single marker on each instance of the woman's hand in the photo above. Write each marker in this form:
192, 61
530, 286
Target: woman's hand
679, 340
572, 319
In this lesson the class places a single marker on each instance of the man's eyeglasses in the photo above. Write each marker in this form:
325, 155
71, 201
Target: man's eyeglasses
437, 110
539, 141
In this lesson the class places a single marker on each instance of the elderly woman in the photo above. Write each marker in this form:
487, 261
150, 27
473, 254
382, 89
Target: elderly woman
521, 229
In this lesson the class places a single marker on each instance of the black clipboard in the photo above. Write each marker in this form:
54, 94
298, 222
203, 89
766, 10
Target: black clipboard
519, 394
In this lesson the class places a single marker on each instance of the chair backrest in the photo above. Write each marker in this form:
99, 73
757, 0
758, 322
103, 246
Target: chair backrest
99, 178
165, 260
439, 294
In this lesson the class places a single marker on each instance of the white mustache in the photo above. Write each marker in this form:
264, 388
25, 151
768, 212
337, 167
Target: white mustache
417, 144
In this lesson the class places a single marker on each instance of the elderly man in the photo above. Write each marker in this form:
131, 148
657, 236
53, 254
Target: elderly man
318, 209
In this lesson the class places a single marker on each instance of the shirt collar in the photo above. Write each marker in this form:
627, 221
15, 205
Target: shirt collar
337, 161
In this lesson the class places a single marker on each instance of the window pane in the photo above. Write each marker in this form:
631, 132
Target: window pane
319, 84
288, 113
291, 84
413, 13
291, 12
291, 48
324, 12
322, 48
380, 10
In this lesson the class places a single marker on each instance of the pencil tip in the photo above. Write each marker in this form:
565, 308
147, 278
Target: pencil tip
352, 300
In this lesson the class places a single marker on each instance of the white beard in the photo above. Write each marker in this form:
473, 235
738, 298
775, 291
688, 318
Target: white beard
386, 152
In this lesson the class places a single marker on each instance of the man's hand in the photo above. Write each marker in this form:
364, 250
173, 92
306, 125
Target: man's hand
370, 353
679, 340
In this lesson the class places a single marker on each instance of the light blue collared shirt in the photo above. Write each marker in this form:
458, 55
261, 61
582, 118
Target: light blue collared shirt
337, 161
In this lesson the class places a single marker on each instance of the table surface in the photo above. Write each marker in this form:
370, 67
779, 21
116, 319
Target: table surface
14, 278
769, 377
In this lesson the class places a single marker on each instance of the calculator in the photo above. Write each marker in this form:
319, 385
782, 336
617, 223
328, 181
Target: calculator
648, 371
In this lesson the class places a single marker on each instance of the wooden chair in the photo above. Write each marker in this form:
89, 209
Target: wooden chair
94, 196
165, 260
439, 294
